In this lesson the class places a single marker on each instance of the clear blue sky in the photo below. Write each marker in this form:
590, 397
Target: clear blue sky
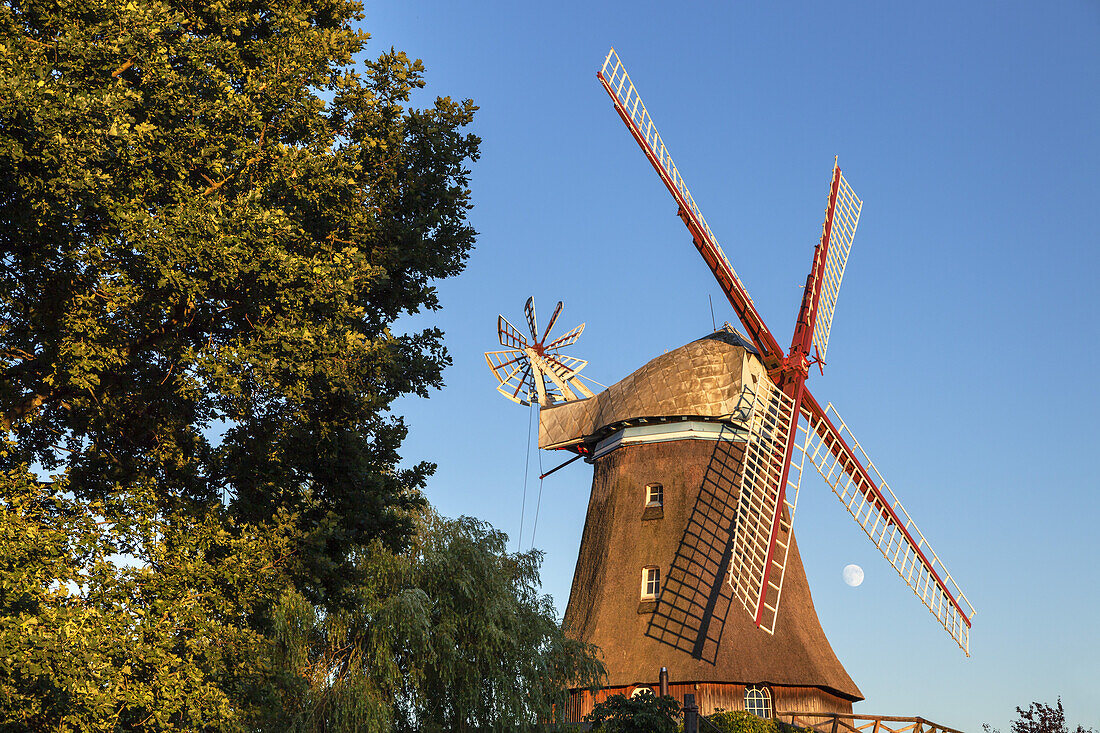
964, 345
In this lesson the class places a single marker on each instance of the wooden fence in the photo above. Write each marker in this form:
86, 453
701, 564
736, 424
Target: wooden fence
843, 723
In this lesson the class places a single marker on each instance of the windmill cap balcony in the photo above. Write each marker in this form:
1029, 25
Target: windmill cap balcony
700, 381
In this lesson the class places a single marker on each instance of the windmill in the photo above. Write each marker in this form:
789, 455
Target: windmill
697, 461
786, 419
537, 370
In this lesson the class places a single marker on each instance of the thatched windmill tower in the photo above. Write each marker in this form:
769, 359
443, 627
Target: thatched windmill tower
667, 445
698, 460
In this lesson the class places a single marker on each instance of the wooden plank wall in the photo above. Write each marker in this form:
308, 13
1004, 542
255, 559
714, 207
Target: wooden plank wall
713, 696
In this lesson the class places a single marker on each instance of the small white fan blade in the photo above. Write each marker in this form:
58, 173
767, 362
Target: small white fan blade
505, 364
529, 311
565, 365
553, 318
510, 335
567, 339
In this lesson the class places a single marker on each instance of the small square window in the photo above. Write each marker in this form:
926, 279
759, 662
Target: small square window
654, 495
651, 583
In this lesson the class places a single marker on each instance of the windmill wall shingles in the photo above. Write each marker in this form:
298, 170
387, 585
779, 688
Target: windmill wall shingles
698, 630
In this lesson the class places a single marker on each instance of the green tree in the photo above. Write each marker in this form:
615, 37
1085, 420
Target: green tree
449, 636
90, 642
210, 218
643, 713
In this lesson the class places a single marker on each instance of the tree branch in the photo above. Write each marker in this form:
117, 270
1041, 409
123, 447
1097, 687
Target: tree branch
27, 405
126, 65
14, 353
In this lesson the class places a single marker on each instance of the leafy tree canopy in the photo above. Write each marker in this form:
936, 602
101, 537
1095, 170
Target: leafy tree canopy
211, 214
643, 713
209, 218
91, 642
1040, 717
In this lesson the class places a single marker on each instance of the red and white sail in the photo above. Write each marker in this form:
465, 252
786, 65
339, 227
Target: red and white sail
758, 563
841, 220
629, 105
855, 480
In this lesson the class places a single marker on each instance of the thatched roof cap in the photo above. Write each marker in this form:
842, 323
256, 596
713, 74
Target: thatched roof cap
699, 380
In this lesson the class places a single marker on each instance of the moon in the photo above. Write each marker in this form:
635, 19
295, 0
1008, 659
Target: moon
853, 575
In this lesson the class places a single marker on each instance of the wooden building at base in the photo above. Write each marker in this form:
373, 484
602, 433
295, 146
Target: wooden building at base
650, 586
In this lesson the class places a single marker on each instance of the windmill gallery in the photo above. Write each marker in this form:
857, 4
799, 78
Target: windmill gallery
688, 548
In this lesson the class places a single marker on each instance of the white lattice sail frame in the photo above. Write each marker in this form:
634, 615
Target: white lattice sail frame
618, 82
769, 422
845, 220
887, 523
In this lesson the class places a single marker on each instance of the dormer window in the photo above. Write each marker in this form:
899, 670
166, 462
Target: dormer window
654, 495
651, 583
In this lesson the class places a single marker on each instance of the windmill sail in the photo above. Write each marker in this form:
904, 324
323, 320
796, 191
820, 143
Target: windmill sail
762, 534
629, 105
553, 320
512, 369
510, 336
754, 549
528, 372
567, 339
529, 311
844, 465
840, 226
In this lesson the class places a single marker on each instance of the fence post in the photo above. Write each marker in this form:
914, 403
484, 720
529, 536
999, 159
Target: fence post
691, 714
664, 681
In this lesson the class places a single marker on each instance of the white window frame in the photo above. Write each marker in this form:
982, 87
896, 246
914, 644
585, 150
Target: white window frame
758, 697
651, 582
654, 490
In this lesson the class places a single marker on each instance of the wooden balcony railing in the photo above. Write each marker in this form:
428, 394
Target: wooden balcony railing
842, 723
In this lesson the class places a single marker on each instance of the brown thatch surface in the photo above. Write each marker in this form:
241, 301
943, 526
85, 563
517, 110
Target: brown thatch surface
701, 379
696, 629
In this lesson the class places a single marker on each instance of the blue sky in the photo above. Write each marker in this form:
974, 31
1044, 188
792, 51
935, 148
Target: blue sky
964, 342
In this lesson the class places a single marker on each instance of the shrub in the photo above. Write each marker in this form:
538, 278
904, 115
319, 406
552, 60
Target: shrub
738, 721
642, 714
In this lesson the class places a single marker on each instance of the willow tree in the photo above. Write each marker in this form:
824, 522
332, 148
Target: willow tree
452, 636
211, 214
